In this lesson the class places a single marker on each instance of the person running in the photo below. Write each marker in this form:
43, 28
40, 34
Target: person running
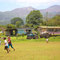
9, 43
6, 45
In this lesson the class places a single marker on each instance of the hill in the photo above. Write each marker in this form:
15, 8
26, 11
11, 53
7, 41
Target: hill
52, 11
5, 17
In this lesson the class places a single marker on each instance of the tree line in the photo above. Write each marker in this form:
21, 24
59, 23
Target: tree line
35, 19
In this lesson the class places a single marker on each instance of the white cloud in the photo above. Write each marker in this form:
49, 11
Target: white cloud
56, 0
33, 1
37, 1
39, 4
30, 1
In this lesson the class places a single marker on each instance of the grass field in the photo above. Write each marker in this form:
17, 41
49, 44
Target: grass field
34, 49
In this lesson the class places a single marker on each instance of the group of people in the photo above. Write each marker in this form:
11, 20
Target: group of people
7, 43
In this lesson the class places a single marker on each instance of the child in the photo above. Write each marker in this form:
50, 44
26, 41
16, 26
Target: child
6, 45
9, 43
47, 40
0, 40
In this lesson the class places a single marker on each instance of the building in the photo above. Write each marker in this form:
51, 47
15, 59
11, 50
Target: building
49, 29
11, 31
24, 30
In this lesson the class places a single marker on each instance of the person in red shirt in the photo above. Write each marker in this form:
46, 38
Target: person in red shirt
9, 43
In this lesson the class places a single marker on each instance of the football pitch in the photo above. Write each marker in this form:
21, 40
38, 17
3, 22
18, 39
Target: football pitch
32, 50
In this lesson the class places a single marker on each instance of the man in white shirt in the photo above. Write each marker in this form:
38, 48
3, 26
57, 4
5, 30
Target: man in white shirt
47, 40
0, 40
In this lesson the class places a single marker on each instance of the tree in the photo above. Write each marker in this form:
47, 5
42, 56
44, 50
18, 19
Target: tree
28, 25
14, 20
11, 25
18, 24
35, 18
55, 21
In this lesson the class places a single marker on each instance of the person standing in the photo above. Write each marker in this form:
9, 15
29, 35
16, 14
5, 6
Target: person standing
0, 40
47, 40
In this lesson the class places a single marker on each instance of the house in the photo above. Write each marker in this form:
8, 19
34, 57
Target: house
11, 31
24, 30
49, 29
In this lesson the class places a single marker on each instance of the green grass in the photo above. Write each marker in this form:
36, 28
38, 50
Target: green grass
23, 39
33, 49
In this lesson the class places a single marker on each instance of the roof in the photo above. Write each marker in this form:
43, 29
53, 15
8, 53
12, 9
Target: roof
49, 27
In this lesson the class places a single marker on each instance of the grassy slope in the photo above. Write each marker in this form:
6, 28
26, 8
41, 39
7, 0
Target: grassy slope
32, 49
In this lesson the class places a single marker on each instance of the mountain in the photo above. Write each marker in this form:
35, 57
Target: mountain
55, 8
5, 17
19, 12
51, 11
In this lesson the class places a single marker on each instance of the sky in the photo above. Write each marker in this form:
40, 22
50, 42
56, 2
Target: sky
8, 5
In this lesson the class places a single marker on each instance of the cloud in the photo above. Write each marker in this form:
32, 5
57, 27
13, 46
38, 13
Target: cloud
56, 0
39, 4
33, 1
36, 1
30, 1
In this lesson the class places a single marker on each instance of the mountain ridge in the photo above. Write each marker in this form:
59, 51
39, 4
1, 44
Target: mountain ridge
23, 12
